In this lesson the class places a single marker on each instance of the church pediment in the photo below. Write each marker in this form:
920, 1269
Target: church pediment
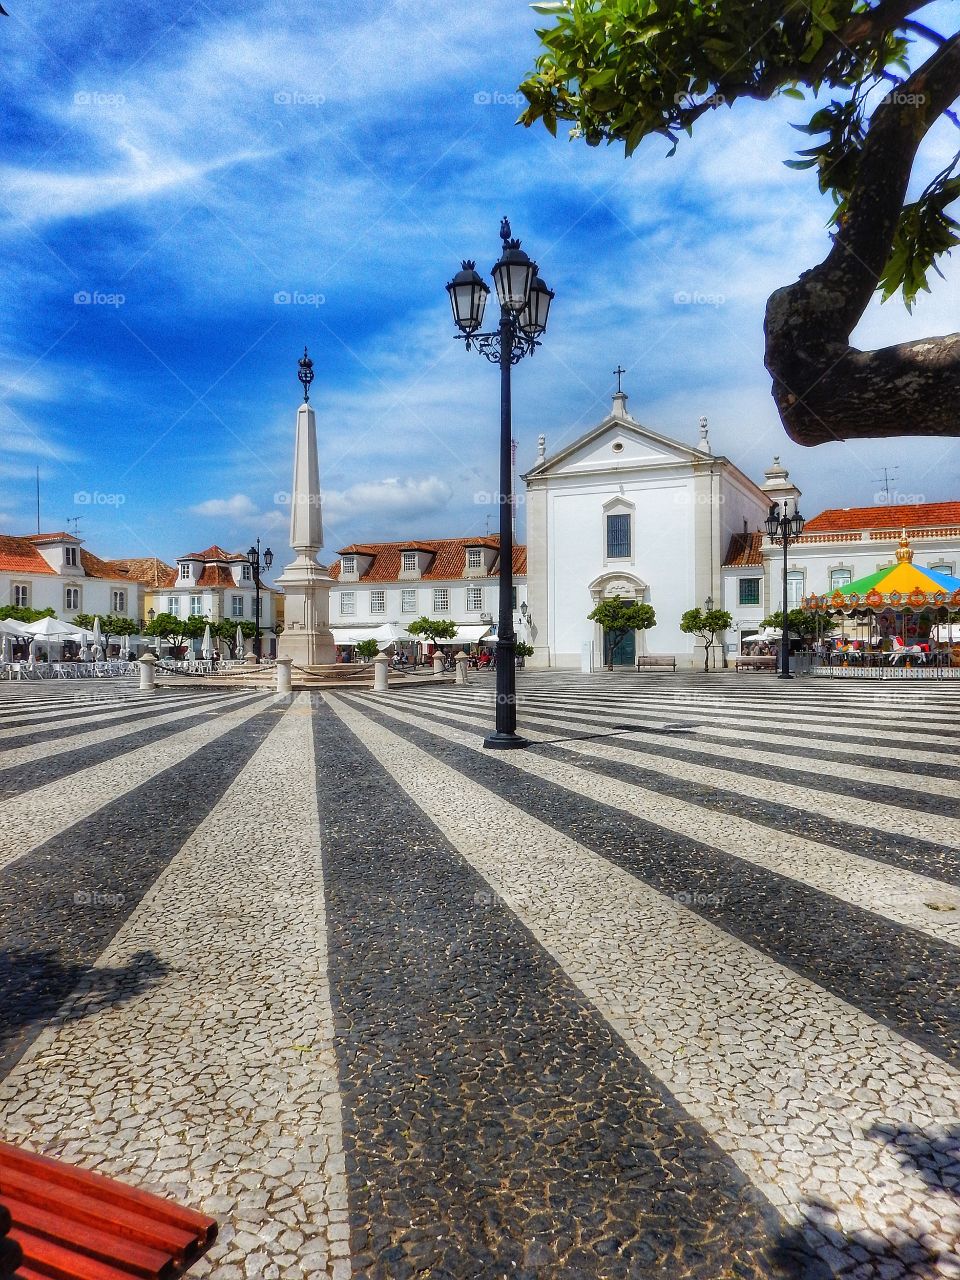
614, 444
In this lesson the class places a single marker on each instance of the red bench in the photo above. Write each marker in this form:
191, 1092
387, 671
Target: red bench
71, 1224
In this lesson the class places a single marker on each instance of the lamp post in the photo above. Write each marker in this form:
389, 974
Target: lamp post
781, 524
524, 307
257, 565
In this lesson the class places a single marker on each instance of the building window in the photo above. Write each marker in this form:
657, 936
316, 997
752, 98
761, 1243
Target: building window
474, 599
441, 600
794, 588
348, 564
21, 595
236, 606
173, 605
839, 578
408, 602
474, 558
513, 600
749, 590
378, 602
196, 606
72, 598
618, 537
258, 607
348, 602
942, 567
184, 571
409, 561
119, 602
70, 556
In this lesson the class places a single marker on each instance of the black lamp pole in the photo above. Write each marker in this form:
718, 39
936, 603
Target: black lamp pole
779, 523
524, 307
256, 564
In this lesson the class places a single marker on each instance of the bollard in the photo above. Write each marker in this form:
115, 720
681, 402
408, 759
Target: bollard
380, 664
461, 659
251, 660
438, 663
284, 684
148, 673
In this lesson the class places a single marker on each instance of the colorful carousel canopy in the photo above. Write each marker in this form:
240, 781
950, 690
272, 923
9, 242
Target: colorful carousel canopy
903, 586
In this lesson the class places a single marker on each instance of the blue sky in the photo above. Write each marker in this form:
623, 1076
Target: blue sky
183, 171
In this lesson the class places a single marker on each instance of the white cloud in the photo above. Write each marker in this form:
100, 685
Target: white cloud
236, 508
388, 498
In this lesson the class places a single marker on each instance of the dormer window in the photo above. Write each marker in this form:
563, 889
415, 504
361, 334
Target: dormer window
409, 561
70, 557
474, 558
245, 572
348, 564
184, 571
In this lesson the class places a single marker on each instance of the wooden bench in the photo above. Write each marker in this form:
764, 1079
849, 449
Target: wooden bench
76, 1225
757, 662
656, 660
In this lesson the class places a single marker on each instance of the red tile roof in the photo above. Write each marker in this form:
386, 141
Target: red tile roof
449, 558
213, 553
40, 538
215, 575
744, 549
19, 555
94, 567
149, 570
913, 515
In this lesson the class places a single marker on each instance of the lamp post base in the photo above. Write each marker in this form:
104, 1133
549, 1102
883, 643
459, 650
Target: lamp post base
785, 675
504, 741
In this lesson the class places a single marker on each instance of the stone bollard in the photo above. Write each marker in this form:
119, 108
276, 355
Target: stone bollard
148, 673
380, 664
461, 659
284, 684
438, 663
250, 660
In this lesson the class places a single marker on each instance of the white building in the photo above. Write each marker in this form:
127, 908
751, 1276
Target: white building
837, 546
395, 582
213, 584
626, 511
53, 571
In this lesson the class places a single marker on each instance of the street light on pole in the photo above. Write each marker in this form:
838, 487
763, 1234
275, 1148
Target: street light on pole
257, 565
781, 524
524, 307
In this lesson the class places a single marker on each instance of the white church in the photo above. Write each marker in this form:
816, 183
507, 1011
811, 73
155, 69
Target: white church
624, 511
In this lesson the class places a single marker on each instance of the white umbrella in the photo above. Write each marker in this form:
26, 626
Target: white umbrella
84, 651
5, 648
33, 652
206, 645
239, 641
52, 629
11, 627
97, 640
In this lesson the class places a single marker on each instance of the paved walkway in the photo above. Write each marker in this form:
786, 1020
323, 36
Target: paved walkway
670, 994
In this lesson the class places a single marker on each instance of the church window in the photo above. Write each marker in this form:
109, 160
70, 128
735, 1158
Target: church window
749, 591
618, 537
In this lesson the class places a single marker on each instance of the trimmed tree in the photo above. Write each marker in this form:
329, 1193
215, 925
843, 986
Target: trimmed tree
176, 631
707, 624
432, 629
877, 81
226, 629
618, 617
367, 649
20, 613
800, 623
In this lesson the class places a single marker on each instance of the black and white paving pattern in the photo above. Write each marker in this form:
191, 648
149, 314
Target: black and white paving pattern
673, 993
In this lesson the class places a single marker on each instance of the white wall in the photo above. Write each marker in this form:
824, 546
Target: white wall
393, 612
47, 591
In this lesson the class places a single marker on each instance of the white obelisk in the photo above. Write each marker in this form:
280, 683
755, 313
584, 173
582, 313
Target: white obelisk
306, 637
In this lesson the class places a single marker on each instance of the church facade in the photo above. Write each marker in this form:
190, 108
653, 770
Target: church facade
624, 511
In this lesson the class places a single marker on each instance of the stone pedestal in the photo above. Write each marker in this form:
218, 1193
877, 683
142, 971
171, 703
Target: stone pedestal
438, 663
283, 675
147, 673
461, 660
380, 682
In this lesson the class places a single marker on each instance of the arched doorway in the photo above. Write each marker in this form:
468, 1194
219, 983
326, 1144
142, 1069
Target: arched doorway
628, 587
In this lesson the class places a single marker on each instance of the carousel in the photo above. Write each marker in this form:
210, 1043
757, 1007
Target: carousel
894, 623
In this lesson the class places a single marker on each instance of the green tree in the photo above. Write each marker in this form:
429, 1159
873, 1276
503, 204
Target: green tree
20, 613
623, 70
523, 651
433, 629
707, 624
618, 617
84, 620
367, 648
176, 631
799, 622
226, 629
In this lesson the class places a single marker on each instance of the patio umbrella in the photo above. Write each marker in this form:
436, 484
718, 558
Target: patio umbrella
33, 652
97, 640
239, 639
5, 648
206, 645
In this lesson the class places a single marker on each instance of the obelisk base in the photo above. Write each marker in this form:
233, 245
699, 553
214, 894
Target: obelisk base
306, 637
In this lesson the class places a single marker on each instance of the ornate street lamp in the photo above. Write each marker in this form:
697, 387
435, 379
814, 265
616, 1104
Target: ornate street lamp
524, 307
258, 565
781, 524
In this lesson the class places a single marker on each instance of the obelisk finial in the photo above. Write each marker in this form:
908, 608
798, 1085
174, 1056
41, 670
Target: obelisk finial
306, 375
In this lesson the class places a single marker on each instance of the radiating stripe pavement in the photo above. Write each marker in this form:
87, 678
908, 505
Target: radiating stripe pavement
672, 993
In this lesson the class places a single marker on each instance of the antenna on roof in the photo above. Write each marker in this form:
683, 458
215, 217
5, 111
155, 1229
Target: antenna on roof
888, 473
75, 521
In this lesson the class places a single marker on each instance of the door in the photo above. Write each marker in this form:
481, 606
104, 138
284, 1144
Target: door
625, 654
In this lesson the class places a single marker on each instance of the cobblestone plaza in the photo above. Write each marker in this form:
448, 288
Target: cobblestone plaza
673, 993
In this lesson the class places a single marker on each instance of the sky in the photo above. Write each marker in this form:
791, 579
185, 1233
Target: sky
189, 197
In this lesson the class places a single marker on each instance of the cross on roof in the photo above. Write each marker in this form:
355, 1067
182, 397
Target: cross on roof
619, 372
